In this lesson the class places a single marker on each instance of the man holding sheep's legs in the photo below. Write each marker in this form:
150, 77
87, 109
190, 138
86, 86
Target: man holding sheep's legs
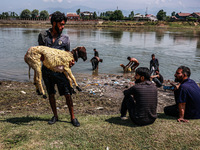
55, 39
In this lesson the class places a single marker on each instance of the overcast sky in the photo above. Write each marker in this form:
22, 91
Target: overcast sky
150, 6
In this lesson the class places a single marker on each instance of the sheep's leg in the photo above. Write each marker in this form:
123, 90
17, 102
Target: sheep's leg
38, 78
36, 85
70, 81
68, 70
70, 75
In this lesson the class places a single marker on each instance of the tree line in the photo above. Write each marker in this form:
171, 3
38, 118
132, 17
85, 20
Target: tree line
108, 15
26, 14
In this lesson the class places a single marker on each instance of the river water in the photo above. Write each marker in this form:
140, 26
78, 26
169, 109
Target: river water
171, 47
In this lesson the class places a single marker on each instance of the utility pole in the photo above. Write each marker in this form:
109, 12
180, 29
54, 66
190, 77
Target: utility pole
146, 11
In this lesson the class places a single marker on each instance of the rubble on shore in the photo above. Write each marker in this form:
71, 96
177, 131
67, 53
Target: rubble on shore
100, 94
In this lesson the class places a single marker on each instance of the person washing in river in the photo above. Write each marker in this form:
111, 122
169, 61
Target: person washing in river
95, 60
133, 63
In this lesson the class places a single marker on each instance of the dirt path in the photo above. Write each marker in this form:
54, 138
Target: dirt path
102, 94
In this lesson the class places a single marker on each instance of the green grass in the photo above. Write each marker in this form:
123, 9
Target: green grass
96, 132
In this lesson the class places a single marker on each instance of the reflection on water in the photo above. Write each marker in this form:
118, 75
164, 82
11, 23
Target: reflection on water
172, 47
159, 35
117, 35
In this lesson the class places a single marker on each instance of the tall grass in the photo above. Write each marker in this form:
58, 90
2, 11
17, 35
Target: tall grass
96, 132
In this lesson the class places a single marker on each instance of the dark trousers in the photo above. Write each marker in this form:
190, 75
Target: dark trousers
95, 63
157, 81
171, 110
128, 104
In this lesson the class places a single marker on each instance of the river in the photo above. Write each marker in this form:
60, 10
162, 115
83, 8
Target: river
171, 47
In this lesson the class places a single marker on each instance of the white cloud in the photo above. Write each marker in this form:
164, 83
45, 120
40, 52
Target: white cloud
180, 3
53, 1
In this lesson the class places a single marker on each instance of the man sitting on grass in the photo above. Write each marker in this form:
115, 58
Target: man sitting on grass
141, 99
187, 97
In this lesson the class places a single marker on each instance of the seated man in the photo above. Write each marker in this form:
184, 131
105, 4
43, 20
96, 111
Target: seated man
141, 99
133, 63
154, 64
187, 97
95, 62
157, 78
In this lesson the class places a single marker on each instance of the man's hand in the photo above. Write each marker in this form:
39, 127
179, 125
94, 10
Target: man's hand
42, 58
71, 63
176, 86
182, 120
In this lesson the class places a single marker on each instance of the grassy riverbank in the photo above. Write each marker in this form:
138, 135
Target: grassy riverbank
96, 132
105, 24
24, 116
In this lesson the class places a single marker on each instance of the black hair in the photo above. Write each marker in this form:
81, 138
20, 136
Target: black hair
144, 71
152, 55
185, 70
128, 57
58, 17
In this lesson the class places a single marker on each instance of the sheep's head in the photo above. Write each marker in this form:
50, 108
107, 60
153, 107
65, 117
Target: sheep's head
79, 52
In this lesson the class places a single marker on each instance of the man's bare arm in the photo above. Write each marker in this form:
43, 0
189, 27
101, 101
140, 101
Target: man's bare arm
181, 108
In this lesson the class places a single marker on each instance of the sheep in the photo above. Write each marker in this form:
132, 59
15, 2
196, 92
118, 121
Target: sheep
55, 60
125, 68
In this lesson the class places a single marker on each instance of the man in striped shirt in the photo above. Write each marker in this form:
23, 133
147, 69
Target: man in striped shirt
141, 99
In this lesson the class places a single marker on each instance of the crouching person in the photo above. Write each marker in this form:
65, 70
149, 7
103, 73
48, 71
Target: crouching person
141, 99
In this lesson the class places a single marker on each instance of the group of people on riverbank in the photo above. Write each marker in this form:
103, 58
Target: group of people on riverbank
140, 100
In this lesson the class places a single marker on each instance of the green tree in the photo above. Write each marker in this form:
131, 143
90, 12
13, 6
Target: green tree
161, 15
13, 15
173, 13
25, 14
34, 13
44, 14
108, 13
78, 11
131, 15
117, 15
5, 15
95, 15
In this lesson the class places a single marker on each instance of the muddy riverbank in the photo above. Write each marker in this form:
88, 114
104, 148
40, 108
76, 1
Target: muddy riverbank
101, 94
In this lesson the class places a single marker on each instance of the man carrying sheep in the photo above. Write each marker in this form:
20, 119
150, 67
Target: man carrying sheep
55, 39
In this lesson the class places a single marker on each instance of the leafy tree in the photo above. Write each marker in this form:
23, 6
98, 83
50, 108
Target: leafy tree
5, 15
95, 15
161, 15
44, 14
78, 11
34, 13
13, 15
25, 14
108, 13
117, 15
131, 15
173, 13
